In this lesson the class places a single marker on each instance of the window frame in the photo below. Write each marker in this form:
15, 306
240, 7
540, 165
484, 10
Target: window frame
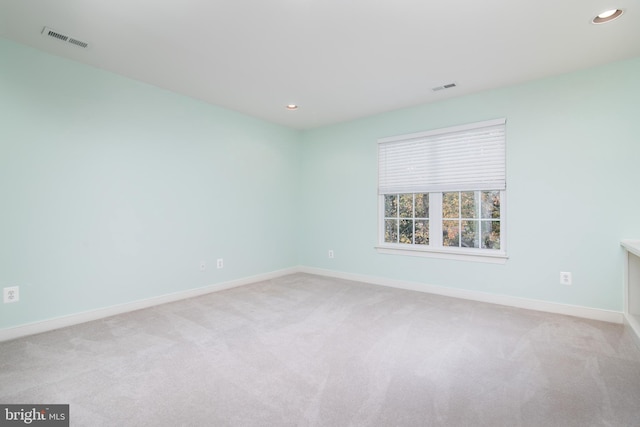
435, 249
398, 217
496, 256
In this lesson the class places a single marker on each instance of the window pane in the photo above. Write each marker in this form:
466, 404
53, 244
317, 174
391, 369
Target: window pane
406, 231
450, 206
406, 205
391, 230
450, 233
391, 205
491, 234
422, 206
422, 232
470, 219
490, 204
468, 202
470, 235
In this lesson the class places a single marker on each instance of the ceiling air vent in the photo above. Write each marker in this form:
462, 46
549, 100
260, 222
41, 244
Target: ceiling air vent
78, 42
48, 32
447, 86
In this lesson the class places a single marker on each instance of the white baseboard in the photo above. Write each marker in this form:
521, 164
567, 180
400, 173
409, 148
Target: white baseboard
529, 304
101, 313
74, 319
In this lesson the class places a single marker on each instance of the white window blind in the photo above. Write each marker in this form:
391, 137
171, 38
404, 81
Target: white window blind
461, 158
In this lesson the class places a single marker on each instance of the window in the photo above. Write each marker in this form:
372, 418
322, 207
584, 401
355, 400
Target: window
406, 218
471, 219
443, 192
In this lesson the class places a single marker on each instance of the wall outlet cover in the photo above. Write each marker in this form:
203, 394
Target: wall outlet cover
11, 294
565, 278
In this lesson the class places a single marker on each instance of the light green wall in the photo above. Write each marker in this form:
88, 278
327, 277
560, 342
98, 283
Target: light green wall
573, 146
113, 191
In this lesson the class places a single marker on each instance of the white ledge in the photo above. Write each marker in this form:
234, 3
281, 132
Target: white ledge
632, 246
632, 285
492, 257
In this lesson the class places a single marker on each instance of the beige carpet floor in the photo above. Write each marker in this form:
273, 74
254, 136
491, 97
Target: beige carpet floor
305, 350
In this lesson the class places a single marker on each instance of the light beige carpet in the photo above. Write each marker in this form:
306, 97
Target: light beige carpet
305, 350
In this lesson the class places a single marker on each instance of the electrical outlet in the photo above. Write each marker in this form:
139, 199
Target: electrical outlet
203, 266
565, 278
11, 294
330, 253
220, 263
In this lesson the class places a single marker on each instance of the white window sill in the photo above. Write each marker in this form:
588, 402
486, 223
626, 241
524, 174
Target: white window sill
473, 255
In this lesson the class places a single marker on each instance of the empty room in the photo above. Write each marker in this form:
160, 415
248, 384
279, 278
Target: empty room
305, 213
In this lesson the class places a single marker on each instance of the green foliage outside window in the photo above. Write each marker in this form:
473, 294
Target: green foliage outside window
406, 218
470, 219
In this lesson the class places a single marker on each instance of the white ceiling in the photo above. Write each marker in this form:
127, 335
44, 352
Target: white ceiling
338, 59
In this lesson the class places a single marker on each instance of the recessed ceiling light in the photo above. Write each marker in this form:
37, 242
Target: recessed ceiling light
292, 107
607, 16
